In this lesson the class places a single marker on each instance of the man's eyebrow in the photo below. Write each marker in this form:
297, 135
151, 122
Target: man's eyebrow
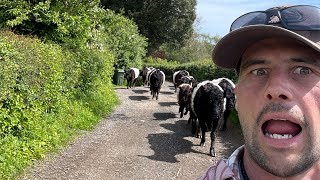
252, 62
315, 62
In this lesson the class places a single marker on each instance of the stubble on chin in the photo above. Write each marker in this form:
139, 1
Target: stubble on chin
277, 164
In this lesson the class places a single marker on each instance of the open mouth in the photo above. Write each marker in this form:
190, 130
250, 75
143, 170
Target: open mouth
280, 129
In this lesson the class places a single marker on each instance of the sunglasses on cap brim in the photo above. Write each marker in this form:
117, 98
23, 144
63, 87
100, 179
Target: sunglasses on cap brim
298, 18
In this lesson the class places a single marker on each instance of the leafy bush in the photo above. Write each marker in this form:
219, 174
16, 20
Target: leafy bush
123, 38
70, 21
51, 90
47, 94
78, 25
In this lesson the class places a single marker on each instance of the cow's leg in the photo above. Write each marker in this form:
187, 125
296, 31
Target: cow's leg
187, 109
157, 96
181, 108
215, 125
191, 117
225, 119
195, 128
134, 82
213, 138
143, 80
198, 129
203, 132
203, 138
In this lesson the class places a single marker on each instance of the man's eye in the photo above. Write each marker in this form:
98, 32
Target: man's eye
259, 72
302, 71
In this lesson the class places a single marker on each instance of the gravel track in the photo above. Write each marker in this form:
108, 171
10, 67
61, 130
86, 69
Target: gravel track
142, 138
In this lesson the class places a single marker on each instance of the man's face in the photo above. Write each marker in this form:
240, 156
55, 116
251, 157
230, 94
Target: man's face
278, 101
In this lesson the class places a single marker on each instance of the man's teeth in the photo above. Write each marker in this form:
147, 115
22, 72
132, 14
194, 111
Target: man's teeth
279, 136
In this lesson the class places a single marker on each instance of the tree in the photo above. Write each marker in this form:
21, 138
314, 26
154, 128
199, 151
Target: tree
76, 24
122, 37
165, 21
198, 47
69, 21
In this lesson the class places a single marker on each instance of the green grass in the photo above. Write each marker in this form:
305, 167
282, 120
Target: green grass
53, 131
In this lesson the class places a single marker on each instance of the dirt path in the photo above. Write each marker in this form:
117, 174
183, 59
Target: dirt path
141, 139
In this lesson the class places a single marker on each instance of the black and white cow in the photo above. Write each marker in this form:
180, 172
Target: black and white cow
177, 75
207, 105
152, 70
186, 80
157, 79
228, 87
184, 98
144, 74
131, 75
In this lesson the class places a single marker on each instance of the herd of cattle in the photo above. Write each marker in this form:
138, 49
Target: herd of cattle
209, 102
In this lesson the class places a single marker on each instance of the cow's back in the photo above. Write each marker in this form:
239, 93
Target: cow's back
207, 102
156, 79
178, 74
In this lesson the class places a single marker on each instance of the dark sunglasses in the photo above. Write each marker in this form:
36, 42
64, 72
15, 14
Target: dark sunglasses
300, 18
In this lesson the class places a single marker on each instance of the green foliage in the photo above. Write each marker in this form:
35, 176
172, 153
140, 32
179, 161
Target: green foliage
200, 70
48, 93
165, 21
78, 25
235, 119
71, 21
31, 81
122, 37
197, 48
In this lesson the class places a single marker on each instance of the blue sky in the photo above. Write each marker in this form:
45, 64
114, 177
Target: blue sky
216, 16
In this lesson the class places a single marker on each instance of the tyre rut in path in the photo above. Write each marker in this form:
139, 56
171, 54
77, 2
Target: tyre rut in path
142, 138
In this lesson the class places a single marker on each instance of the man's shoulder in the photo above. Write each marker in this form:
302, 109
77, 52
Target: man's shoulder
225, 168
218, 172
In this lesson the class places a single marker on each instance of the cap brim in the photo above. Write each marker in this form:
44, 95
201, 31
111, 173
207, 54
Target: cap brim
230, 48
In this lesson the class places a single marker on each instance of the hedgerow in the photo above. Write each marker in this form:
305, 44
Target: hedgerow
200, 70
77, 24
58, 81
47, 94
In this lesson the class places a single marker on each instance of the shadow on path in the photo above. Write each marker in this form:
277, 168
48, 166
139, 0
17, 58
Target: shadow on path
168, 103
139, 98
167, 146
166, 92
139, 91
164, 116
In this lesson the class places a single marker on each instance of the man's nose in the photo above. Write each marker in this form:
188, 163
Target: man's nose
278, 87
